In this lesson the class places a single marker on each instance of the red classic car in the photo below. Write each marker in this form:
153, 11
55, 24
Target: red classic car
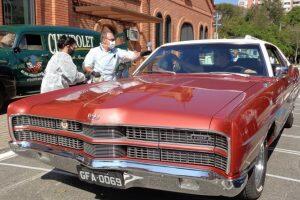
197, 117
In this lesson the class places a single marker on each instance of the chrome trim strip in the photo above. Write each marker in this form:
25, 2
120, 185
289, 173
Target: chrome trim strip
228, 155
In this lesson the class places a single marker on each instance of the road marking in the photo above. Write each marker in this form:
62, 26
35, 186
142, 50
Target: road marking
38, 168
287, 151
284, 178
296, 126
296, 113
26, 167
291, 136
15, 185
7, 155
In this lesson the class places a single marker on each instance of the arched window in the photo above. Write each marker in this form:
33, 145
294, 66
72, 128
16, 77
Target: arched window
168, 27
206, 33
158, 32
187, 32
201, 33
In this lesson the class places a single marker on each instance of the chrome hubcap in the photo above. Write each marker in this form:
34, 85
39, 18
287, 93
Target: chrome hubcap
259, 168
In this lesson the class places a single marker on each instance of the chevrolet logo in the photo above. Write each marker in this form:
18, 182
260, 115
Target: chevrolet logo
64, 125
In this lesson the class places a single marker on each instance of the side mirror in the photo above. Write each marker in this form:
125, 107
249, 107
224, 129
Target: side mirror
17, 50
281, 70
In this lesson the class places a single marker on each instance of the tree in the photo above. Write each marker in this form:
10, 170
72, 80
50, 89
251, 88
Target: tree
263, 22
293, 17
274, 10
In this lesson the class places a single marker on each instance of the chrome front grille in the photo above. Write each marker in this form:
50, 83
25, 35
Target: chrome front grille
159, 135
45, 123
103, 131
49, 139
105, 151
178, 136
143, 153
137, 133
195, 158
176, 156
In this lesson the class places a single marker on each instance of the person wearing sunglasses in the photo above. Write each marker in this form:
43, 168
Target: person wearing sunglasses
101, 62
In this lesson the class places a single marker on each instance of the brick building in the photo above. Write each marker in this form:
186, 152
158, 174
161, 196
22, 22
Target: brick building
158, 21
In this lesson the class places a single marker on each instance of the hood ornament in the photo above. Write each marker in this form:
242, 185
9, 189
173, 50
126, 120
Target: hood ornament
64, 125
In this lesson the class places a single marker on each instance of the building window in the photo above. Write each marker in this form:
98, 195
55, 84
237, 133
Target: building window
201, 33
206, 33
18, 12
187, 32
158, 32
168, 27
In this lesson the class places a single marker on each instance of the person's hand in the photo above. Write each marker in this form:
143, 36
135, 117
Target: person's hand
95, 74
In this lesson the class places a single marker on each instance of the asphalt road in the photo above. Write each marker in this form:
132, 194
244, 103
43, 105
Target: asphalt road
24, 179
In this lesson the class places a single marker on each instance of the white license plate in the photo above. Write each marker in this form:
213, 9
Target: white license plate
103, 178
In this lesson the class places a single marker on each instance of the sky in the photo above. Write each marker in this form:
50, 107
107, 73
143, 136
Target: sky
226, 1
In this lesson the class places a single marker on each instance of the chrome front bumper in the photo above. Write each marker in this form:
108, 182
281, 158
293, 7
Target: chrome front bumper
138, 174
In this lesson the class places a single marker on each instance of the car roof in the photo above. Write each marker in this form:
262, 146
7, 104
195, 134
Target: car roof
31, 28
218, 41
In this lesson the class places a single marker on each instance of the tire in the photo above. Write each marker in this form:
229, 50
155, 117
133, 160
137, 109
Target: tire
290, 120
257, 176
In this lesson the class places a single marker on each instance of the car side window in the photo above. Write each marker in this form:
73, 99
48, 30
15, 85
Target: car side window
31, 42
275, 58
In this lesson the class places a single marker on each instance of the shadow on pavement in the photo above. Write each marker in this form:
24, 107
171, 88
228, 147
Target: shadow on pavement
104, 193
274, 144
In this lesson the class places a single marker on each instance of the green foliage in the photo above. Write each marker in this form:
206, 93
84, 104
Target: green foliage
267, 22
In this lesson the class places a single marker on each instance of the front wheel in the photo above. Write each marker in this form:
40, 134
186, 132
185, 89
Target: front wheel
257, 175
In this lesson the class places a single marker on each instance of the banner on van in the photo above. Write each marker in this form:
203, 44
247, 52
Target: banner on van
82, 41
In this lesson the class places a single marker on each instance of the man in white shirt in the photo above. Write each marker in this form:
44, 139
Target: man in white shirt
104, 59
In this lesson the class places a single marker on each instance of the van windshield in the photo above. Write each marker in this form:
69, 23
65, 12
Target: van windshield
7, 39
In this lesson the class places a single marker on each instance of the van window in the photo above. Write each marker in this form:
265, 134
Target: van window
31, 42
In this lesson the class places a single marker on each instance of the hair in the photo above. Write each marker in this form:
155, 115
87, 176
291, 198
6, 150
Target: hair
104, 35
64, 41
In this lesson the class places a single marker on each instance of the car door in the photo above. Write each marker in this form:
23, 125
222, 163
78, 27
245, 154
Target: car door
283, 86
31, 60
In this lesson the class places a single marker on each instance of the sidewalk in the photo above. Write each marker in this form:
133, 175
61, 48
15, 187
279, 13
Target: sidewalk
4, 137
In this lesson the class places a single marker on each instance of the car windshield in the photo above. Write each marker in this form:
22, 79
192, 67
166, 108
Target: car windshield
244, 59
7, 39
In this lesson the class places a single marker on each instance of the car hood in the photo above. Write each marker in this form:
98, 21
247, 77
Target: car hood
165, 100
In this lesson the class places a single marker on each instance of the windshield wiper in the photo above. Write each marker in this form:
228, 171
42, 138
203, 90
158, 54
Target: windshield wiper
162, 72
230, 73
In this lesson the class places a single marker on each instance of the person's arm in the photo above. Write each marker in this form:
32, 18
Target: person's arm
89, 62
69, 69
127, 56
80, 77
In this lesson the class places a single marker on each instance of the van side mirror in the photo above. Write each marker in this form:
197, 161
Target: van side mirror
17, 50
281, 70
